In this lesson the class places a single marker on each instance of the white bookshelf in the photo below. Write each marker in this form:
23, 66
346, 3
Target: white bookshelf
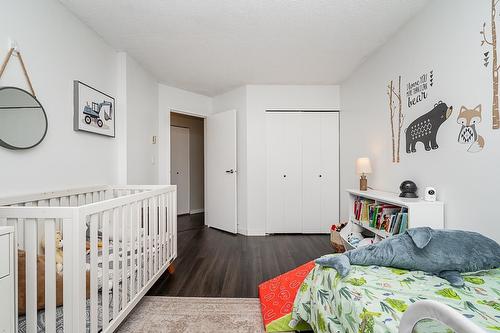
420, 214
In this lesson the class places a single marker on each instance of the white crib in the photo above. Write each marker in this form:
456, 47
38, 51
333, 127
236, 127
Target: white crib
138, 224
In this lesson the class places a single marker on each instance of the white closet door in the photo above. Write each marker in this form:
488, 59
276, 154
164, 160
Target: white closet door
284, 173
292, 145
312, 172
275, 166
330, 160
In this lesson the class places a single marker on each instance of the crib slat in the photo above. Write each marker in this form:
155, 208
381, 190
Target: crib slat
94, 223
95, 197
105, 270
50, 275
167, 226
139, 245
80, 200
31, 246
116, 262
123, 223
145, 238
161, 219
150, 236
155, 232
173, 235
88, 198
170, 226
132, 222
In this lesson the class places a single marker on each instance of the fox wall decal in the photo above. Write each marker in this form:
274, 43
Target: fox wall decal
469, 118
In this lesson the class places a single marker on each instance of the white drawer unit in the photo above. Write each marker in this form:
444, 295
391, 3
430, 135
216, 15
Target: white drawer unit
8, 285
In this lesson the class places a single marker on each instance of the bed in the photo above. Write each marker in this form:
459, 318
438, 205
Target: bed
374, 298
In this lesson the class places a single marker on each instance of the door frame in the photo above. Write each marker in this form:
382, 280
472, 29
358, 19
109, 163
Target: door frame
189, 165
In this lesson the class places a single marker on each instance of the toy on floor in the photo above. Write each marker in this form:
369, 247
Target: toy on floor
445, 253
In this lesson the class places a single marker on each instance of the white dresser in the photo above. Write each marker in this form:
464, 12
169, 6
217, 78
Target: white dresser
8, 285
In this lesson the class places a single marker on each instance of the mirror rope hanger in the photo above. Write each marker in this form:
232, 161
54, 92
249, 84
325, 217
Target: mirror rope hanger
9, 55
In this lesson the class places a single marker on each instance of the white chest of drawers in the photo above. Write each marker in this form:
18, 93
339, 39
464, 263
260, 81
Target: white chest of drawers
8, 287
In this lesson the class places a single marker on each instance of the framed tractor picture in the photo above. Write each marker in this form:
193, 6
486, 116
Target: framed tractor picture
94, 110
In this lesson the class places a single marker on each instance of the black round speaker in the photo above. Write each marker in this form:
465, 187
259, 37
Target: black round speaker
408, 189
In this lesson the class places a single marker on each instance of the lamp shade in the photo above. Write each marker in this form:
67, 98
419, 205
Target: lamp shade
363, 166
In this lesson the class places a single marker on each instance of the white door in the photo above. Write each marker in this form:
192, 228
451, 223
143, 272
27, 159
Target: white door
284, 176
221, 185
312, 174
330, 161
179, 166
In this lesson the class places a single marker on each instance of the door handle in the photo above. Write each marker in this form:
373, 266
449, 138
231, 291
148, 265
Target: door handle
230, 171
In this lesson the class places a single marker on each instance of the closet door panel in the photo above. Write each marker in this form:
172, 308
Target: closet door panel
330, 169
292, 149
311, 173
275, 171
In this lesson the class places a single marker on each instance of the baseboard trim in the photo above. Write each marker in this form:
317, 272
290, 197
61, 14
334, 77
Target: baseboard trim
197, 211
251, 233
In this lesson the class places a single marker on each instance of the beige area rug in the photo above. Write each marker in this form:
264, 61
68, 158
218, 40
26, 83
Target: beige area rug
195, 314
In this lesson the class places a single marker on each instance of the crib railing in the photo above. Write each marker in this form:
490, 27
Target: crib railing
130, 233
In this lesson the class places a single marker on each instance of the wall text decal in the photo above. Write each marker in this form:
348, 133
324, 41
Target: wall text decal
417, 91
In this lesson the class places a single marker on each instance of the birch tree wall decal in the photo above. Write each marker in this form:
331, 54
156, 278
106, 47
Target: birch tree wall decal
495, 68
397, 117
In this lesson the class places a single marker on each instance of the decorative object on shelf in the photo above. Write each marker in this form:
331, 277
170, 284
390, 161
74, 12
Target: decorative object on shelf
445, 253
495, 113
395, 109
408, 189
94, 111
417, 91
430, 194
469, 118
23, 121
363, 167
425, 128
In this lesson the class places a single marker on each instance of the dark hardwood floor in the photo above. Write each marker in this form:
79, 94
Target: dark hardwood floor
213, 263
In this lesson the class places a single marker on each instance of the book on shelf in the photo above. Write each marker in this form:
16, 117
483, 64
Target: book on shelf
390, 218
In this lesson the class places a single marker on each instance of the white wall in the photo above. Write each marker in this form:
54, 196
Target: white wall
196, 158
259, 99
57, 49
181, 101
142, 124
444, 37
237, 100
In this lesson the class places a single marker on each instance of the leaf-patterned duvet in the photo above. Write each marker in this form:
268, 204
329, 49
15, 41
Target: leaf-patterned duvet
373, 299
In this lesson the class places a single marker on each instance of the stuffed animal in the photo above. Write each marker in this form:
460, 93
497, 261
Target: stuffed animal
59, 251
445, 253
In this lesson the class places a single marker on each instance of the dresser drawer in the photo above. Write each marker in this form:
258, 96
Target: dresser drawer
5, 257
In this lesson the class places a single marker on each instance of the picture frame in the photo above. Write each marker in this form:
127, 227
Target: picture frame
94, 111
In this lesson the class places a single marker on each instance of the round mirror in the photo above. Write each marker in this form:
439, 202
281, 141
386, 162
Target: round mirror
23, 122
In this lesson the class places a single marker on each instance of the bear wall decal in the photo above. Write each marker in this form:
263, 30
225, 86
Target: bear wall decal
425, 128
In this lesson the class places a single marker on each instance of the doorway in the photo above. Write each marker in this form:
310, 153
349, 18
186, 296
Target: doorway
187, 163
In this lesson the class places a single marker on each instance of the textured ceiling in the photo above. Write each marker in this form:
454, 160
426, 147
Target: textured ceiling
211, 46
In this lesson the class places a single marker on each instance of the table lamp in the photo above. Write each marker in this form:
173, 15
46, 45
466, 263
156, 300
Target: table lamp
363, 167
